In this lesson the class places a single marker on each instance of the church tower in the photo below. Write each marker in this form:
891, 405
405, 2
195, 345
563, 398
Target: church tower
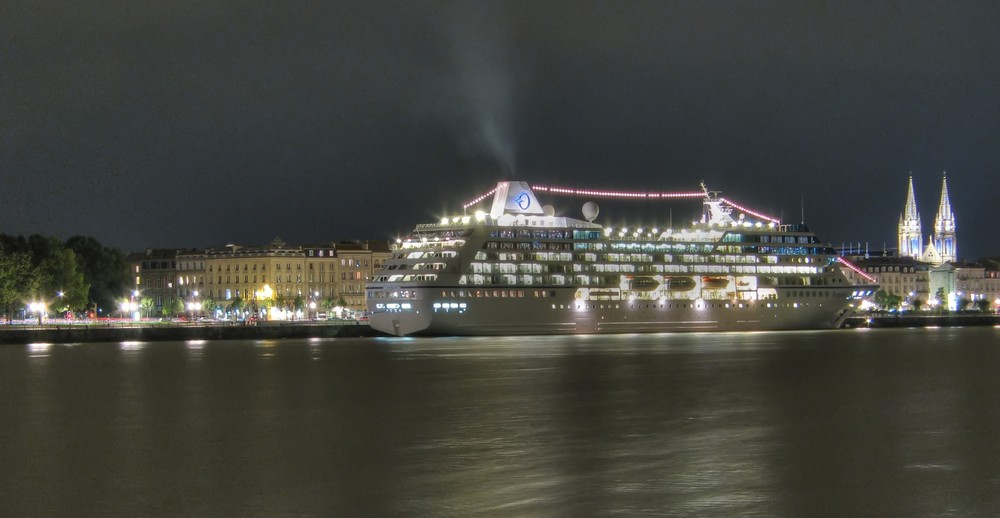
944, 225
909, 226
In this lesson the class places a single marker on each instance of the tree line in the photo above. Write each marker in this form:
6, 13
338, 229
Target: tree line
79, 274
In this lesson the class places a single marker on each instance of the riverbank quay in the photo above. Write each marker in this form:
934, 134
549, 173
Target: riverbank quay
948, 320
159, 332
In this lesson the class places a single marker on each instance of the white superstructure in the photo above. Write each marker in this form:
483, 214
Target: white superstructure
521, 269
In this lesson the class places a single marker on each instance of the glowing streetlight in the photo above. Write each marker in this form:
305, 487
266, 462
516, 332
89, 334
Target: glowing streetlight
38, 308
193, 307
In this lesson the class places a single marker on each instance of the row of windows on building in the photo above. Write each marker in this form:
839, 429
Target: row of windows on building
311, 278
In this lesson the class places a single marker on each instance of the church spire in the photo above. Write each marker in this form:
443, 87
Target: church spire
909, 234
911, 202
944, 225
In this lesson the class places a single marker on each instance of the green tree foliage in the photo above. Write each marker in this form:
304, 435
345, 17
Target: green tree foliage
172, 306
103, 268
56, 269
942, 301
887, 301
60, 275
210, 306
147, 304
18, 281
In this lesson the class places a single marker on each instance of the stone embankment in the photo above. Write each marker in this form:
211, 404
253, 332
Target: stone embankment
114, 332
948, 320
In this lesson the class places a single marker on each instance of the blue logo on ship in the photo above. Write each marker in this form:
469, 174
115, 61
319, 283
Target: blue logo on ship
523, 200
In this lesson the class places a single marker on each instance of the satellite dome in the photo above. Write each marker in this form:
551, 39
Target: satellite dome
549, 210
590, 211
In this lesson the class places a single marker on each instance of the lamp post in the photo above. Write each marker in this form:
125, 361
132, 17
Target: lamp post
194, 307
133, 305
39, 309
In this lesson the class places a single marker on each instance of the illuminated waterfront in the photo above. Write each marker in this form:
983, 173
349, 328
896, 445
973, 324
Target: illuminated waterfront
853, 422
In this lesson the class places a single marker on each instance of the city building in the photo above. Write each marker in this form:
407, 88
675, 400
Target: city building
904, 277
931, 275
302, 281
279, 280
152, 273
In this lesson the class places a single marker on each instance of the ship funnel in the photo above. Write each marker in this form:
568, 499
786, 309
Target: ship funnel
515, 198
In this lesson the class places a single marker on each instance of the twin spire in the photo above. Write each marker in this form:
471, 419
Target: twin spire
941, 245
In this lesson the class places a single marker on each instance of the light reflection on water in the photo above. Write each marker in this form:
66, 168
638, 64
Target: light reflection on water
861, 422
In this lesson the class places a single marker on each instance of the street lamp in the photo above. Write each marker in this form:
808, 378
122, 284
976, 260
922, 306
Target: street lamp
133, 305
193, 307
39, 309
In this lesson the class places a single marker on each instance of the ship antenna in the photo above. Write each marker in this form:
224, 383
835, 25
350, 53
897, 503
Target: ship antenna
803, 201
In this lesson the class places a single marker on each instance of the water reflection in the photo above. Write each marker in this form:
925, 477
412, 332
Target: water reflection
132, 346
874, 422
39, 350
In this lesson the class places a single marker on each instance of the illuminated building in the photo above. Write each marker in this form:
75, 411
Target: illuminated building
910, 235
942, 245
152, 273
305, 279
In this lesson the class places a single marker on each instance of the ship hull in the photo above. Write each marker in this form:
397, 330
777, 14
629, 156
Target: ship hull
564, 315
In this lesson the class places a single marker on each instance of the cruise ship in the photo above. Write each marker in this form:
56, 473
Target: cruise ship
519, 268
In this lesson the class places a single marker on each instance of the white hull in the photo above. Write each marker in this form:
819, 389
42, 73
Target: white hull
562, 315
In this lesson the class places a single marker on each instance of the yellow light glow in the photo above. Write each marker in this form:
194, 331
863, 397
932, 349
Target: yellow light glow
264, 293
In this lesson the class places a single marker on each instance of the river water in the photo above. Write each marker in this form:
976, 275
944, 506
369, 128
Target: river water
895, 422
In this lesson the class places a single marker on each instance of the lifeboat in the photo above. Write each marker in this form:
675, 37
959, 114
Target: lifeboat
714, 283
643, 284
680, 284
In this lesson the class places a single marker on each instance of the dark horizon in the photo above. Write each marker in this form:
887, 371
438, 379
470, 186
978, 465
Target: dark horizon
151, 125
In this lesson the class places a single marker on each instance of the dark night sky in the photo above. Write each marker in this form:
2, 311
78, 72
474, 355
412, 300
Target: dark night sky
199, 123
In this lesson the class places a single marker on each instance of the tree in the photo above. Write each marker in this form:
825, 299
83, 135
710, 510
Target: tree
210, 306
103, 268
18, 281
917, 304
236, 305
984, 305
59, 275
328, 304
172, 306
887, 301
147, 304
941, 300
59, 281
